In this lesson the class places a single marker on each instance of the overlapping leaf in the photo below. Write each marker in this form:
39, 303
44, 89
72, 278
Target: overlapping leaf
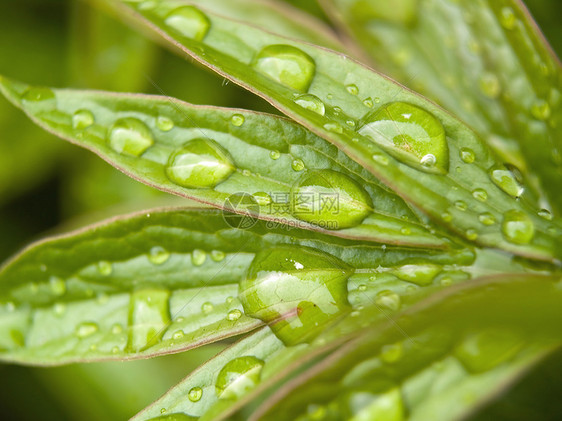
349, 99
495, 70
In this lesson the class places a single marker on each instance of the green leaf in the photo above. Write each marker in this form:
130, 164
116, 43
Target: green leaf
495, 71
368, 117
162, 281
440, 359
215, 155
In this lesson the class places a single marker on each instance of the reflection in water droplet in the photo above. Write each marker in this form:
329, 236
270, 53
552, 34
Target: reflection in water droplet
287, 65
83, 330
200, 163
471, 234
461, 205
506, 180
158, 255
189, 22
195, 394
149, 316
82, 119
178, 335
130, 136
234, 315
368, 103
238, 377
517, 227
296, 290
164, 123
411, 134
312, 103
330, 199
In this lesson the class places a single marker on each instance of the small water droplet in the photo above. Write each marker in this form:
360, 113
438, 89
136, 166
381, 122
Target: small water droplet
198, 257
506, 180
195, 394
200, 163
189, 22
217, 255
411, 134
234, 315
58, 286
507, 18
158, 255
238, 377
490, 85
541, 110
480, 194
297, 164
82, 119
467, 155
461, 205
545, 214
420, 274
392, 353
130, 136
237, 120
487, 218
334, 127
446, 216
352, 89
178, 335
311, 103
207, 307
83, 330
388, 300
380, 158
287, 65
116, 329
262, 198
164, 123
471, 234
368, 103
39, 94
517, 227
362, 288
330, 199
59, 309
275, 155
105, 268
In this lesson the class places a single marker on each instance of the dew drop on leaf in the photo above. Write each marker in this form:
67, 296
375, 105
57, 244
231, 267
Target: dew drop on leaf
490, 85
487, 218
507, 18
352, 89
217, 255
234, 315
411, 134
330, 200
545, 214
517, 227
422, 274
57, 285
296, 290
275, 155
311, 103
541, 110
149, 316
83, 330
467, 155
480, 194
82, 119
297, 164
237, 120
198, 257
158, 255
105, 268
207, 307
287, 65
189, 22
164, 123
506, 180
388, 300
130, 136
200, 163
238, 377
262, 198
195, 394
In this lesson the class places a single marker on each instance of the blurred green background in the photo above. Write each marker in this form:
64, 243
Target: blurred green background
47, 185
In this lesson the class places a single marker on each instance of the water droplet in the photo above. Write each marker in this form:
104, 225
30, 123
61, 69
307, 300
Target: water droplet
461, 205
149, 316
83, 330
380, 158
262, 198
487, 218
158, 255
189, 22
217, 255
178, 335
482, 351
545, 214
207, 307
506, 180
467, 155
229, 300
388, 300
59, 309
517, 227
421, 274
334, 127
541, 110
238, 377
234, 315
297, 164
200, 163
237, 120
195, 394
198, 257
311, 103
82, 119
130, 136
480, 194
164, 123
405, 231
274, 155
471, 234
368, 103
391, 353
117, 329
409, 133
490, 85
507, 18
446, 216
352, 89
105, 268
58, 286
330, 199
39, 94
296, 290
287, 65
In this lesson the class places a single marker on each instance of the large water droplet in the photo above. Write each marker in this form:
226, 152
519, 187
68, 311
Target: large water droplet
422, 274
238, 377
411, 134
149, 316
312, 103
506, 180
485, 350
296, 290
287, 65
200, 163
517, 227
130, 136
82, 119
330, 200
189, 22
